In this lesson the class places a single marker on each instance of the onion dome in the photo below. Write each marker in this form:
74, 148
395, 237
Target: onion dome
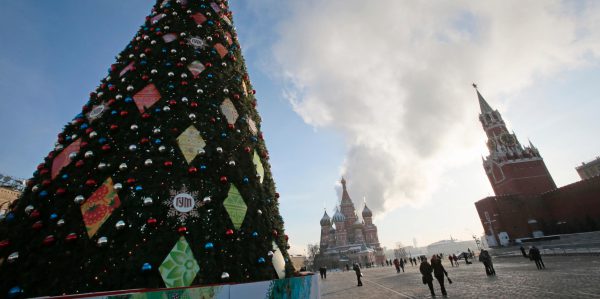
357, 223
332, 230
325, 221
367, 212
338, 216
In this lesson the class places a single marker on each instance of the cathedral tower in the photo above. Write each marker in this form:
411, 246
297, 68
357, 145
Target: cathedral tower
325, 228
511, 167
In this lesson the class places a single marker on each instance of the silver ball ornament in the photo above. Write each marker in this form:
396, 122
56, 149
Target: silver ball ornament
132, 148
184, 100
101, 166
79, 199
130, 88
102, 241
148, 201
192, 116
170, 74
156, 131
225, 275
219, 150
153, 42
60, 222
29, 209
120, 225
206, 200
259, 212
153, 72
184, 75
231, 163
134, 127
13, 257
166, 108
199, 91
162, 148
118, 186
88, 154
72, 155
173, 51
148, 162
119, 97
225, 90
201, 152
35, 188
123, 167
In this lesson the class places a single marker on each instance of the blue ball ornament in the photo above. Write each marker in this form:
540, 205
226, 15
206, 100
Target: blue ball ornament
14, 292
53, 216
68, 138
171, 86
157, 141
128, 100
202, 167
254, 234
246, 180
143, 62
157, 110
84, 126
146, 267
209, 76
65, 176
261, 260
114, 112
10, 217
102, 140
168, 64
209, 245
43, 194
164, 50
138, 188
223, 135
254, 139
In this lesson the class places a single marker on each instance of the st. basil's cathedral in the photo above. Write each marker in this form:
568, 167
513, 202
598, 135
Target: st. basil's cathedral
352, 240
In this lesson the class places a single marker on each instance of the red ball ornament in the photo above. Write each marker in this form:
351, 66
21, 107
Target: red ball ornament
123, 113
113, 67
208, 64
172, 102
71, 237
112, 88
106, 147
48, 240
146, 116
46, 183
144, 140
41, 166
223, 179
229, 232
276, 194
151, 221
168, 163
192, 170
275, 233
193, 104
231, 126
179, 64
83, 144
145, 78
287, 237
79, 164
130, 181
61, 191
89, 130
114, 127
111, 102
90, 183
213, 120
44, 171
182, 230
34, 214
247, 149
236, 96
85, 108
4, 244
37, 225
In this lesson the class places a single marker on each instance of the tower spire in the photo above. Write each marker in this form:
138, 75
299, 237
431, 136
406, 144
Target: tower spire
483, 105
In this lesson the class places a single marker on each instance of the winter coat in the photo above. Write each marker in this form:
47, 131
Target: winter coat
426, 271
438, 269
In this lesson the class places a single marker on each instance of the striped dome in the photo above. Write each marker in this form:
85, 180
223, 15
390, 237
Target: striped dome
325, 221
338, 216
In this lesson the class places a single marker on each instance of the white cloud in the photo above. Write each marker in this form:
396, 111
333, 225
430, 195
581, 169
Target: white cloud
393, 77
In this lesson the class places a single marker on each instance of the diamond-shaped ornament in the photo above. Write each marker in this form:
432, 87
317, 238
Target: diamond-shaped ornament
228, 109
179, 267
235, 206
278, 261
146, 97
63, 159
97, 208
196, 67
260, 170
252, 126
221, 49
190, 143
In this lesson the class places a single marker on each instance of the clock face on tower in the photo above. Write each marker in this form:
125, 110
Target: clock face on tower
507, 139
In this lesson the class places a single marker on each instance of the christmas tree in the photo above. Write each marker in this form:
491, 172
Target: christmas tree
163, 180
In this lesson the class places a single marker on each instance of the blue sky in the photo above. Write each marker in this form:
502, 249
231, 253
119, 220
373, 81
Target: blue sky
345, 87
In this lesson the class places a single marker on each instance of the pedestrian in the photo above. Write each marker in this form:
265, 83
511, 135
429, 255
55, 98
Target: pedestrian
535, 255
322, 272
486, 259
347, 267
356, 269
523, 251
397, 265
439, 272
455, 258
402, 264
451, 260
426, 271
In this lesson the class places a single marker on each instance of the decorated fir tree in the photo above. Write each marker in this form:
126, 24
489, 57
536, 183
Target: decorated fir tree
163, 180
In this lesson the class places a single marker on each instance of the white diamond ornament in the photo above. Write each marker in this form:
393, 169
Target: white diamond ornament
228, 109
252, 126
278, 261
260, 170
190, 143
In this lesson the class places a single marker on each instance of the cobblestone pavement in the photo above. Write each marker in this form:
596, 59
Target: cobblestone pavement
517, 277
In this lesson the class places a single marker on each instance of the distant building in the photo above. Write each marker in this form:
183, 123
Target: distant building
451, 246
10, 189
352, 240
527, 202
589, 170
298, 261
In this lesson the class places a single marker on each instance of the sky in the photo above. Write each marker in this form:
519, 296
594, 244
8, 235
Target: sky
377, 91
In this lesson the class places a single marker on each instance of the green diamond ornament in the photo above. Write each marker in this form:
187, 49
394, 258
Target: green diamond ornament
190, 143
260, 170
179, 267
235, 206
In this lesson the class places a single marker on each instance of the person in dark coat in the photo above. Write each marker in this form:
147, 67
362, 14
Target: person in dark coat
523, 251
356, 269
426, 271
397, 265
451, 260
534, 254
402, 264
486, 259
439, 272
